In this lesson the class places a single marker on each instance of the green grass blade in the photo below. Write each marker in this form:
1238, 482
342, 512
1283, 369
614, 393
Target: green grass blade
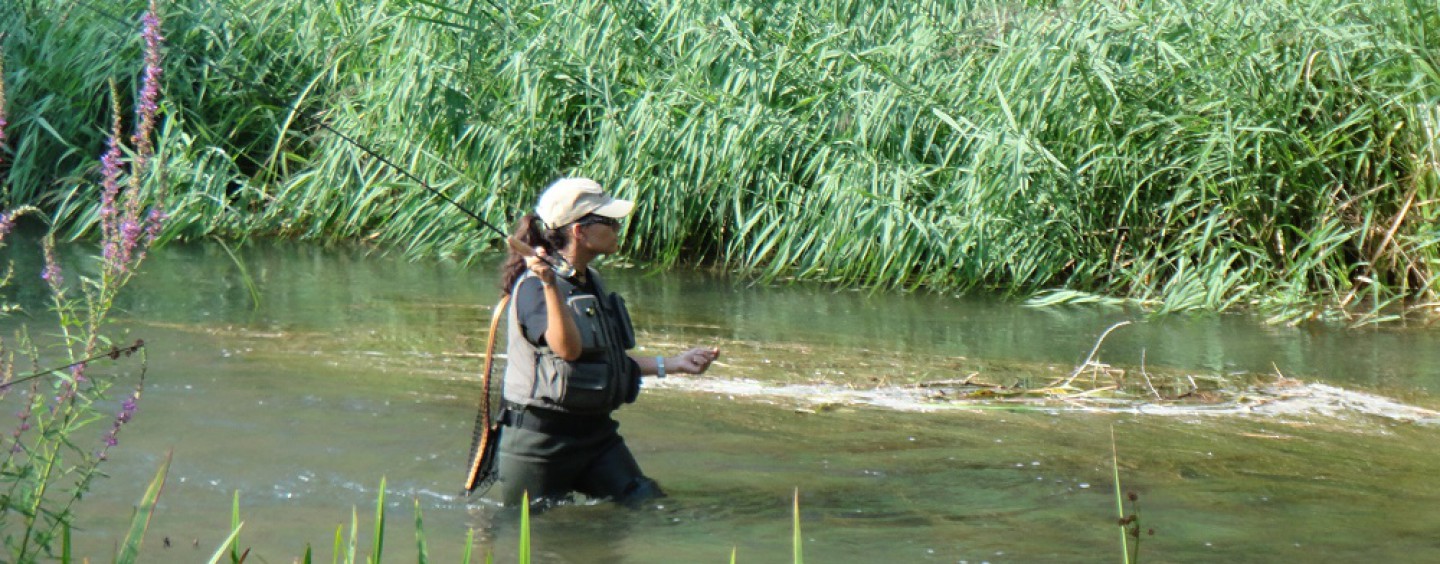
339, 544
230, 542
244, 274
379, 524
524, 557
235, 526
422, 555
354, 536
799, 558
1119, 498
130, 548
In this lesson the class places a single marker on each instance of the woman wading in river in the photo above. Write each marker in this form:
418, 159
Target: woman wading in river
568, 369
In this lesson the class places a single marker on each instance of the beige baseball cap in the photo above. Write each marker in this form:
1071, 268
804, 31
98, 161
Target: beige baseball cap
569, 199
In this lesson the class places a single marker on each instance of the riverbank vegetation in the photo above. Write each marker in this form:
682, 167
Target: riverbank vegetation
1186, 155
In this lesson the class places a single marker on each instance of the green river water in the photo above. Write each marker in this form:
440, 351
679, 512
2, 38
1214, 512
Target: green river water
355, 367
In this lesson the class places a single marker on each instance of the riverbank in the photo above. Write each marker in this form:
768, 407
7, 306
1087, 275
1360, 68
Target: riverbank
1271, 156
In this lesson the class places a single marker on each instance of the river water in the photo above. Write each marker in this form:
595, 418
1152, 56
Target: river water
353, 367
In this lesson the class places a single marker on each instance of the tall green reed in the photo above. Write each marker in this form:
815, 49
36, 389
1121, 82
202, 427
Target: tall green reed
1190, 155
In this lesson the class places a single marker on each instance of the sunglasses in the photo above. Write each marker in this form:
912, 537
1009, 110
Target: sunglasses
593, 219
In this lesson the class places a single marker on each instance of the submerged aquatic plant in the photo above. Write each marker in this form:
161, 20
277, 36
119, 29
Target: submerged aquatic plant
1129, 524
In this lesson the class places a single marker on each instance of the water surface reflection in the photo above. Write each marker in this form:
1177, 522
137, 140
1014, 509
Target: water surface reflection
354, 367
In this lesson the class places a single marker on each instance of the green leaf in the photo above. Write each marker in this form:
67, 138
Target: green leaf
379, 524
235, 526
799, 558
469, 546
230, 542
339, 543
130, 548
422, 556
524, 557
354, 536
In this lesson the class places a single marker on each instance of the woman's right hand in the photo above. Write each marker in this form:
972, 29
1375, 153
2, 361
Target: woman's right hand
539, 267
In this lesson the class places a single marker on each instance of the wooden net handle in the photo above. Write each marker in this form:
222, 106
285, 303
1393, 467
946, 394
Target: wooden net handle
486, 423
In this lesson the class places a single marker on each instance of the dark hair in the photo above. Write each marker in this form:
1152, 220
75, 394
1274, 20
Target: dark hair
530, 231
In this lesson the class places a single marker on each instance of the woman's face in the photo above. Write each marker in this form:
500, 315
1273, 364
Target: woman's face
600, 236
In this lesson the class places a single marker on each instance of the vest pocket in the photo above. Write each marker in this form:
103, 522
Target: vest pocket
589, 321
582, 387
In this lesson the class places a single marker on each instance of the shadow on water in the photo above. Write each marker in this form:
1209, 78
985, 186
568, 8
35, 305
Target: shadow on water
355, 367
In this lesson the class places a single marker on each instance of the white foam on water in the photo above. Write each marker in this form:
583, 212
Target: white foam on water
1288, 398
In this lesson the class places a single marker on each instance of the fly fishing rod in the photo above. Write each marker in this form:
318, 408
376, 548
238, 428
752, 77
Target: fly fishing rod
559, 264
482, 466
485, 440
561, 267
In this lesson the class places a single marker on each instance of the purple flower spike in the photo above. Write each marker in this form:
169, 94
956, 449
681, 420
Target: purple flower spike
51, 273
127, 229
149, 89
3, 123
153, 221
127, 411
110, 185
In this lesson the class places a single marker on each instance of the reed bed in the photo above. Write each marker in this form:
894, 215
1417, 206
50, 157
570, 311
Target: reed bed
1181, 154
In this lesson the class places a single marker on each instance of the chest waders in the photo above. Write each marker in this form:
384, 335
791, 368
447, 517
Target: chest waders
564, 390
558, 435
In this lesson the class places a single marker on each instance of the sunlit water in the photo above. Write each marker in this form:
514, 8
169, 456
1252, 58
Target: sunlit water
355, 367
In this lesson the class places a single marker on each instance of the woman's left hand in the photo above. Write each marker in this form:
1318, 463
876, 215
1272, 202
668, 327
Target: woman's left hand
696, 360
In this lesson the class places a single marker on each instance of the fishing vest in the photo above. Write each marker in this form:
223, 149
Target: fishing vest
600, 380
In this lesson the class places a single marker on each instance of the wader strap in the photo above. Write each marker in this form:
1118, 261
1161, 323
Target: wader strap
484, 435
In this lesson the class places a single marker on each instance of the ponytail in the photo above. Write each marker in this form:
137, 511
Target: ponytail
531, 231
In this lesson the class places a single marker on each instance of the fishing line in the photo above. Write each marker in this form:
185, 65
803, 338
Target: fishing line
113, 354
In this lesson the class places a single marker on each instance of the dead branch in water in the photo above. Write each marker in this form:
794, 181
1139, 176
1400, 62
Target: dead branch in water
1089, 360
